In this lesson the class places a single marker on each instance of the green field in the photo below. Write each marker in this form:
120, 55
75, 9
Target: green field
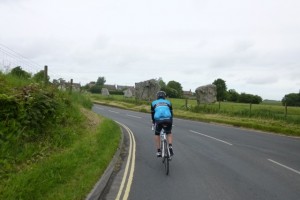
271, 117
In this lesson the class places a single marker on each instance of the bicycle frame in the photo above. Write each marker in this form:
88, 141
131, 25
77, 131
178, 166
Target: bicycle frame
164, 147
165, 153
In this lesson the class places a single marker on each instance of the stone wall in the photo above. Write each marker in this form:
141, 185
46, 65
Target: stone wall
146, 90
206, 94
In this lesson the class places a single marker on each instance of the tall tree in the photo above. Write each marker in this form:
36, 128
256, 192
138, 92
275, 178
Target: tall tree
221, 89
100, 81
162, 84
176, 86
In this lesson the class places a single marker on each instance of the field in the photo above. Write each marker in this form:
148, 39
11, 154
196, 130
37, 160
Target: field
271, 117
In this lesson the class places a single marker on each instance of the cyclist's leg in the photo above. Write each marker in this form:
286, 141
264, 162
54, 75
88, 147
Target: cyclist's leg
168, 130
170, 138
157, 139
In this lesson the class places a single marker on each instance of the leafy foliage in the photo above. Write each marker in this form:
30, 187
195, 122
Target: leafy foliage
101, 81
161, 83
19, 72
221, 89
232, 95
39, 77
176, 86
292, 99
96, 89
249, 98
30, 115
171, 93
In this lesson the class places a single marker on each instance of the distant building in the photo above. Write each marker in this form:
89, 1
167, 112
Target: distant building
124, 87
110, 87
64, 85
188, 93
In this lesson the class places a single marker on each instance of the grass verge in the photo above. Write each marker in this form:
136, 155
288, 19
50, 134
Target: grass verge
71, 172
256, 123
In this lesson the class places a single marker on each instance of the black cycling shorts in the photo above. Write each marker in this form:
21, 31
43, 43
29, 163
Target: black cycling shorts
167, 124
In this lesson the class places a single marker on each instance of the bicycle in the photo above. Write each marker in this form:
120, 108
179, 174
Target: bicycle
164, 147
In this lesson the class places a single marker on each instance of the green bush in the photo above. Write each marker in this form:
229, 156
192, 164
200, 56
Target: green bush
33, 118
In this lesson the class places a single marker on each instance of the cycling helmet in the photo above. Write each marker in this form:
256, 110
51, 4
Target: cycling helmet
161, 95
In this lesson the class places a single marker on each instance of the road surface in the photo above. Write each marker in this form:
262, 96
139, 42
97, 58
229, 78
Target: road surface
210, 162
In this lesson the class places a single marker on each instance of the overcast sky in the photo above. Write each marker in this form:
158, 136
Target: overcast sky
254, 45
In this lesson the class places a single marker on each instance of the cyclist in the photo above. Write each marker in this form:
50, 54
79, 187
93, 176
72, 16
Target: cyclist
162, 113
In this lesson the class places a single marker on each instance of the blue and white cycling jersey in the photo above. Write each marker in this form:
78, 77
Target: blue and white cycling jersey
162, 109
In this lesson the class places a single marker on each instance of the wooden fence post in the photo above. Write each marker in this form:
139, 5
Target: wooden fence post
46, 74
186, 103
71, 86
285, 112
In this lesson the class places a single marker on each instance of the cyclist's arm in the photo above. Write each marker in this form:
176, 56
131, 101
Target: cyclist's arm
152, 114
171, 110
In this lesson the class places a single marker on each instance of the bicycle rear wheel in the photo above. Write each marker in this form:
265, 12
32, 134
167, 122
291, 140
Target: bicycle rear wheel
166, 158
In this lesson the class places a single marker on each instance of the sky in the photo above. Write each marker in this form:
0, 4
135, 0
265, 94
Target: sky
253, 45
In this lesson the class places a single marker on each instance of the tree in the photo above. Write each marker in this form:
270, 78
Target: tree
176, 86
221, 89
292, 99
250, 98
232, 95
19, 72
39, 77
96, 89
100, 81
162, 84
256, 99
172, 93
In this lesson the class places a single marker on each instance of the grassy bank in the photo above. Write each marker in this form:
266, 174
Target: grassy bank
264, 117
52, 146
69, 173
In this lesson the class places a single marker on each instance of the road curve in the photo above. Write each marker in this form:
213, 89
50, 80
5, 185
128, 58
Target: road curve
211, 162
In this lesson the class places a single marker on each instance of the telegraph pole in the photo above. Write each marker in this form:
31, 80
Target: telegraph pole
46, 74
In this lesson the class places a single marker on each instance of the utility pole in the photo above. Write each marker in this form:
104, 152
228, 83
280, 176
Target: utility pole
71, 86
46, 74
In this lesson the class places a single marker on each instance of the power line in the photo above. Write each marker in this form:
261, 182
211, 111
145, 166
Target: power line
11, 58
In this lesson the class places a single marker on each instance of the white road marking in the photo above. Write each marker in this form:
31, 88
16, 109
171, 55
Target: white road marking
113, 111
282, 165
134, 116
210, 137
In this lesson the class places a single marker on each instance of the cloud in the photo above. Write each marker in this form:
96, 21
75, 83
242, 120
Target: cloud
252, 45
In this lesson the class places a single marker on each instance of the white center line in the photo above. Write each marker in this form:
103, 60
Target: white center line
113, 111
296, 171
210, 137
134, 116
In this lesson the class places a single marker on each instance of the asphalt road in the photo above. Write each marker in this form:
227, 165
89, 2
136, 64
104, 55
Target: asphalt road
210, 162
